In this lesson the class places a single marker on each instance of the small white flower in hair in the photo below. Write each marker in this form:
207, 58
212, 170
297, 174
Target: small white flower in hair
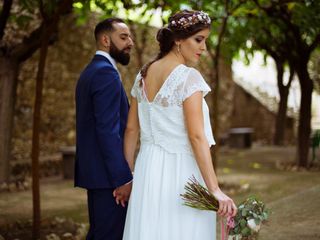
185, 22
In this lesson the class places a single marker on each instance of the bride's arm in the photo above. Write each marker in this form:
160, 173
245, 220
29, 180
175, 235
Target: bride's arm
192, 107
131, 133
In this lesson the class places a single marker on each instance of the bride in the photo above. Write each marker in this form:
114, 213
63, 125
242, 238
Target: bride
169, 112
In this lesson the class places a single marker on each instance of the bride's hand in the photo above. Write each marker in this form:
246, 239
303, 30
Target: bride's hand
226, 204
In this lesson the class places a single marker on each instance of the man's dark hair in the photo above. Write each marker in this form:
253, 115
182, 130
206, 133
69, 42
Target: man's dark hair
106, 26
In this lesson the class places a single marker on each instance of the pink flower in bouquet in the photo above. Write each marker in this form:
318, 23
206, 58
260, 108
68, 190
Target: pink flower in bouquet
230, 222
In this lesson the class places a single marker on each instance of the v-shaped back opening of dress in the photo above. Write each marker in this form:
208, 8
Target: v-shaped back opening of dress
144, 89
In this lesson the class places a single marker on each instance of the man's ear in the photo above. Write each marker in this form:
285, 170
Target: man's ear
105, 40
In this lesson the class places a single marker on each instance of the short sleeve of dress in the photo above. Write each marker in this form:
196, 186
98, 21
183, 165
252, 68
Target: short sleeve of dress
194, 83
135, 88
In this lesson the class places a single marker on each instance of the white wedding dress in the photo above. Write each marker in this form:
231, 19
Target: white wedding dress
165, 163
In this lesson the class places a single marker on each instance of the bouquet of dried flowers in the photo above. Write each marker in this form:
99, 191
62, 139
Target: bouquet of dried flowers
251, 214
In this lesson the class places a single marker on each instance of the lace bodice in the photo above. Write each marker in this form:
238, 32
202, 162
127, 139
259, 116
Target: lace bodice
162, 120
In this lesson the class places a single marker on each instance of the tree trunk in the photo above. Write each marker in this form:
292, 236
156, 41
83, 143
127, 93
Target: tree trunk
216, 80
304, 128
283, 104
8, 83
281, 117
36, 134
50, 26
215, 112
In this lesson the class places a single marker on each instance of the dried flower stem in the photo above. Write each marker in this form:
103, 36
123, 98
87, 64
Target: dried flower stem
197, 196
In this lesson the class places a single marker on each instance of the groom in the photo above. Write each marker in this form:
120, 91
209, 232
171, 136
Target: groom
101, 117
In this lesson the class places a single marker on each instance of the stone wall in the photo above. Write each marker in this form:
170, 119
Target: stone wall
66, 58
249, 112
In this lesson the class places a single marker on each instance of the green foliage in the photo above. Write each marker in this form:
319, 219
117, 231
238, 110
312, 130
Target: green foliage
251, 214
21, 20
23, 13
82, 9
261, 23
28, 5
276, 26
316, 139
306, 16
314, 69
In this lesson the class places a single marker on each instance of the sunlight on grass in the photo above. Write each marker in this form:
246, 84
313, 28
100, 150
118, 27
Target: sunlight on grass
240, 154
255, 165
230, 161
226, 170
243, 182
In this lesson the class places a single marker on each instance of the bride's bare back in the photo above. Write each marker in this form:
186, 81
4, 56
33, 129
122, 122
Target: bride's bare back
157, 74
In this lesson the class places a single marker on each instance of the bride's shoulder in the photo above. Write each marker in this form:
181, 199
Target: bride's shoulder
138, 74
138, 77
193, 73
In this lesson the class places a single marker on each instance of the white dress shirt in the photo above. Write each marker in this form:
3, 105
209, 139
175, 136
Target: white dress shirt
107, 55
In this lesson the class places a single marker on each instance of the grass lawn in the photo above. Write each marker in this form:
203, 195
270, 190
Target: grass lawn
292, 196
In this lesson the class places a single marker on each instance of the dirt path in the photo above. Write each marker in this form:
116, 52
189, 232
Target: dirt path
292, 196
57, 198
295, 217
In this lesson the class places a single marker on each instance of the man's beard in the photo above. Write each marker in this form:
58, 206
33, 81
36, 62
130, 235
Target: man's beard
119, 55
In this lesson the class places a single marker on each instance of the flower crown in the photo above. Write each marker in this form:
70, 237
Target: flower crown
185, 22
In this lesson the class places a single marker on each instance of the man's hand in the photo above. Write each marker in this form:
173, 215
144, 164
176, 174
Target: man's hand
122, 193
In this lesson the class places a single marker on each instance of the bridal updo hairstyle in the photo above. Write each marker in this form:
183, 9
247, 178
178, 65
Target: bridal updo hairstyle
182, 25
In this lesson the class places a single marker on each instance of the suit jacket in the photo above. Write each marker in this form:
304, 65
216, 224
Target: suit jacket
101, 117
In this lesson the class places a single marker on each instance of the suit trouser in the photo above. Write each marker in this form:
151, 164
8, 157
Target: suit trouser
106, 218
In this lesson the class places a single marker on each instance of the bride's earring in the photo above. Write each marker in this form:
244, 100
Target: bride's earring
179, 51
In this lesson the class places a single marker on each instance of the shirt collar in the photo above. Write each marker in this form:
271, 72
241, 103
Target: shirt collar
107, 55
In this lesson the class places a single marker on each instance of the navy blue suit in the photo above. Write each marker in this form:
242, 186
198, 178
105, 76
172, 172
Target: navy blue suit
100, 166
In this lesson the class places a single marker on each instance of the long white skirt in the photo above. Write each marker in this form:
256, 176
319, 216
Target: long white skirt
156, 210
